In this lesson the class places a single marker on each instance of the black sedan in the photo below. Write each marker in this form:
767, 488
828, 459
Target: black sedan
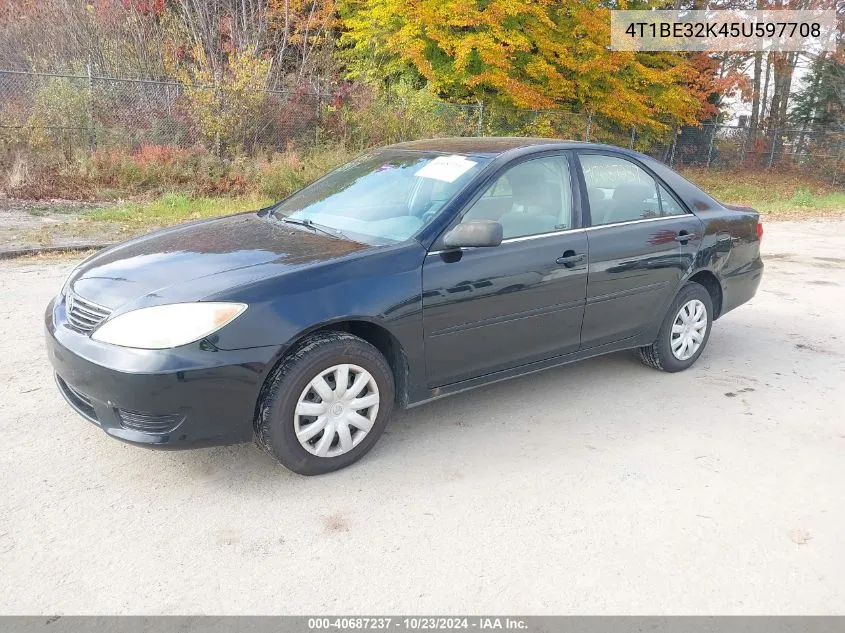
414, 272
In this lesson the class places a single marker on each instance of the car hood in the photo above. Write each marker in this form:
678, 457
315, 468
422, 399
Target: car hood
201, 258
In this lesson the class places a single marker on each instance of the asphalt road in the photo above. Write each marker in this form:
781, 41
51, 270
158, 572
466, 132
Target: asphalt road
601, 487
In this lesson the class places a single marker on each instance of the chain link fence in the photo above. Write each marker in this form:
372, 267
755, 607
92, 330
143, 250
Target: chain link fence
59, 114
731, 147
74, 112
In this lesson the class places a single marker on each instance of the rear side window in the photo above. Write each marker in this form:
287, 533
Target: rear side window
618, 190
668, 204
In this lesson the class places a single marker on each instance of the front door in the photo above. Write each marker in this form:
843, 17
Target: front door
489, 309
638, 254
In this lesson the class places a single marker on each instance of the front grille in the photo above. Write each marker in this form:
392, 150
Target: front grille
84, 315
149, 422
77, 400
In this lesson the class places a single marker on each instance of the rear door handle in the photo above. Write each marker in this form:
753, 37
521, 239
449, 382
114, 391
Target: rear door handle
683, 237
570, 260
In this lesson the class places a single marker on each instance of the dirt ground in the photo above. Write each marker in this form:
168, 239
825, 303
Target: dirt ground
34, 224
601, 487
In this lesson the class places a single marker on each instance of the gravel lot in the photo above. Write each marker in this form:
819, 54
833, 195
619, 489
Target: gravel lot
601, 487
33, 224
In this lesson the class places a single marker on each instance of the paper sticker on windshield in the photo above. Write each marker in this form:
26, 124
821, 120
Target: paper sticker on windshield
446, 168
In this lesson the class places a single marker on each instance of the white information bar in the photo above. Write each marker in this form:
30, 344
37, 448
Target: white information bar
774, 30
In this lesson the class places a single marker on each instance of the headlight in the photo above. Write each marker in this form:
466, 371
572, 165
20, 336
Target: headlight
164, 326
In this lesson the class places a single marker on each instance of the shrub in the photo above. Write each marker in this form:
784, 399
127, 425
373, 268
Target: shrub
149, 168
227, 108
59, 115
369, 116
287, 172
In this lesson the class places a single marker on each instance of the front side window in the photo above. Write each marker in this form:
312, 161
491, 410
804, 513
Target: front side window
620, 191
531, 198
382, 197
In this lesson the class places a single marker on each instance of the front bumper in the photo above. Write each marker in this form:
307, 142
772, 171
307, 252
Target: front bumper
185, 397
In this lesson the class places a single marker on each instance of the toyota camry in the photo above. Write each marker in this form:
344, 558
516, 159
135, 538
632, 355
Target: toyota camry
413, 272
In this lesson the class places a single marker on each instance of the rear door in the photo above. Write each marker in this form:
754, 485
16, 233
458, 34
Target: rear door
641, 242
489, 309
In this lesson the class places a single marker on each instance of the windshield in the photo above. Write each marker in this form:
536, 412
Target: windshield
382, 197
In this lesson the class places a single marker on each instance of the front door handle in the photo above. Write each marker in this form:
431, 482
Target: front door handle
569, 258
684, 236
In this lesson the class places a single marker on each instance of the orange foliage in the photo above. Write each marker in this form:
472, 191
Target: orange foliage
163, 155
528, 53
709, 81
302, 22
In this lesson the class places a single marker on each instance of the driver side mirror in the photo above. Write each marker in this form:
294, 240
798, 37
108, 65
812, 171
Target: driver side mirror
474, 233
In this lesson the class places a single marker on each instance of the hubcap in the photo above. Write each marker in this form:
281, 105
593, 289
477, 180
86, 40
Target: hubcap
336, 410
688, 330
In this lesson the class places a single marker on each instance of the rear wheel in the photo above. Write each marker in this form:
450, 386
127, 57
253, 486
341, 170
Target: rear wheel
684, 332
326, 404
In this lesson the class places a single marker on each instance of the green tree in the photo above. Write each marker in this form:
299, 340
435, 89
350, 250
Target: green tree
820, 104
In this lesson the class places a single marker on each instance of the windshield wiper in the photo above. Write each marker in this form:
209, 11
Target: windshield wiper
338, 235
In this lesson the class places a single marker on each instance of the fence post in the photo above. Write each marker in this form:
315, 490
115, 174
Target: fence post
92, 134
838, 161
774, 145
218, 102
319, 116
633, 134
480, 118
589, 126
710, 149
672, 151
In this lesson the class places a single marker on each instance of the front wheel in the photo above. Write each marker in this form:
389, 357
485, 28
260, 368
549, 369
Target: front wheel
684, 332
326, 404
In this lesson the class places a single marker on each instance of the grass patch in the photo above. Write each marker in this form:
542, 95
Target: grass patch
172, 208
804, 201
264, 181
776, 195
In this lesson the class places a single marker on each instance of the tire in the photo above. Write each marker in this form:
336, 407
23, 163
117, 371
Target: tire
659, 354
288, 390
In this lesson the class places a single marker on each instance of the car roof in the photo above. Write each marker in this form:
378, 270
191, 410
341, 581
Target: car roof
485, 145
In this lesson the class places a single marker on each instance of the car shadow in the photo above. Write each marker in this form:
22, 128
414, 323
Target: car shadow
480, 410
584, 396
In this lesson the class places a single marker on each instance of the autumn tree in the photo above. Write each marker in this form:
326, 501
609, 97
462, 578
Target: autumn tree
113, 37
303, 35
155, 38
528, 54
